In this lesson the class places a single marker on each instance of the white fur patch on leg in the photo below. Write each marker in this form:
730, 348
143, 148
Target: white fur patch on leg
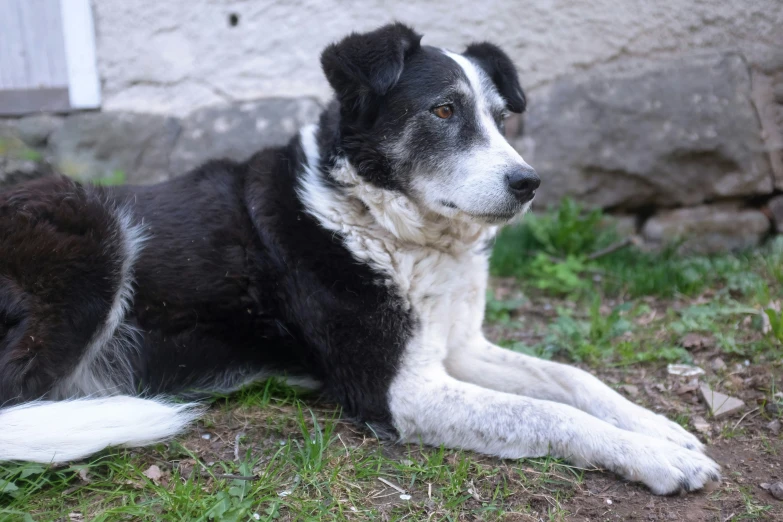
482, 363
429, 406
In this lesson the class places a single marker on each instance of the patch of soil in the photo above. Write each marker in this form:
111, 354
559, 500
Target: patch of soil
747, 450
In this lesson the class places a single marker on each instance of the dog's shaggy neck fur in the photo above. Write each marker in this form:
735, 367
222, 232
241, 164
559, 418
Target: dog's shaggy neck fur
334, 193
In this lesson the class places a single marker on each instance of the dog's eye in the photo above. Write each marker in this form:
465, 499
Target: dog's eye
443, 111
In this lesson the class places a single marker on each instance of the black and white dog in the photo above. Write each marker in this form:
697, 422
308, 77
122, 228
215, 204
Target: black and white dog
354, 258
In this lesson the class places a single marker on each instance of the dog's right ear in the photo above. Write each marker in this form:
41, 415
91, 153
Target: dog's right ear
364, 65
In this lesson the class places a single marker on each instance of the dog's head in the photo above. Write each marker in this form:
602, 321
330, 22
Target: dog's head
429, 123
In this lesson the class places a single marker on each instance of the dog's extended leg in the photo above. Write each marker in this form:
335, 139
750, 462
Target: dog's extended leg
482, 363
432, 407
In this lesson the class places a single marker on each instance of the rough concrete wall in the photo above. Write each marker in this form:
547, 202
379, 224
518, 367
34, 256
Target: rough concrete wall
669, 112
175, 56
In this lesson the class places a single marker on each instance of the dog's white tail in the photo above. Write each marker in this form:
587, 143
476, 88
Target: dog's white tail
52, 432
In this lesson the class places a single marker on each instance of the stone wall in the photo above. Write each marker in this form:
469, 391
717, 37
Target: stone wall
670, 112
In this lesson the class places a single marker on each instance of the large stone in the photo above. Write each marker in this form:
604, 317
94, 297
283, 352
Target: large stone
678, 133
238, 131
776, 209
770, 113
18, 162
97, 145
35, 130
14, 171
708, 229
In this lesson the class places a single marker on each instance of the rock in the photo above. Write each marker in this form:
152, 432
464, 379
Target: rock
720, 405
768, 110
630, 140
623, 225
96, 145
35, 130
777, 92
718, 365
154, 474
776, 490
774, 426
708, 229
775, 206
18, 162
684, 370
17, 171
630, 390
695, 341
687, 388
237, 131
700, 424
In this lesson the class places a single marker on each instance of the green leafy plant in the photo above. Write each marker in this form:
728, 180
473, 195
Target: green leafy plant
588, 340
776, 323
551, 251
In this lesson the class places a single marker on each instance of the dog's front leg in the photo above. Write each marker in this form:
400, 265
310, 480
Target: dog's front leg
482, 363
432, 407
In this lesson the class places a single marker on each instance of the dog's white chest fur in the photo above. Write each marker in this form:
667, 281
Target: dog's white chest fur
446, 294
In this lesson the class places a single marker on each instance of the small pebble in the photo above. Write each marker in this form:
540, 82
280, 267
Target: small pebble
684, 370
717, 364
776, 490
630, 389
772, 408
700, 424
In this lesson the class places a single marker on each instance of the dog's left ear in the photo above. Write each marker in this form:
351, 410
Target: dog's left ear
363, 65
501, 70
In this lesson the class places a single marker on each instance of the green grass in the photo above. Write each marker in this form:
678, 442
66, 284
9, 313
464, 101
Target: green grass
317, 469
553, 255
553, 252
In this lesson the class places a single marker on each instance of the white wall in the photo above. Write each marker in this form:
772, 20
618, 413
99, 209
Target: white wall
174, 56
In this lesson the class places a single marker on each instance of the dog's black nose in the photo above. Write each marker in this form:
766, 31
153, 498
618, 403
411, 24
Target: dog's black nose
523, 183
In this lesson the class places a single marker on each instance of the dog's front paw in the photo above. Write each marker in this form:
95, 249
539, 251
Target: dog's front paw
668, 468
659, 427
